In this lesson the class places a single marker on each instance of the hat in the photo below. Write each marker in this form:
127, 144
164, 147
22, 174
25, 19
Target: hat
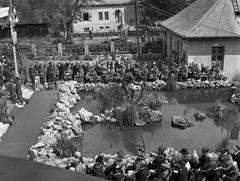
77, 154
184, 151
166, 165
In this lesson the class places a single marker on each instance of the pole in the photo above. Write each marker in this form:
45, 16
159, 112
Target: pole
136, 17
14, 37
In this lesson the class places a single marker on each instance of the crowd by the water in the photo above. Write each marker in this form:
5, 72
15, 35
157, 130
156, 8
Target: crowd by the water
104, 69
167, 164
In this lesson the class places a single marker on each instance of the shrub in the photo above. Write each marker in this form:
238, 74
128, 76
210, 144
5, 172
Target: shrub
110, 97
65, 148
125, 115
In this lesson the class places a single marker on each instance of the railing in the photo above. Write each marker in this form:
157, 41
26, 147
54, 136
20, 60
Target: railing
125, 48
99, 48
153, 47
47, 50
72, 50
90, 49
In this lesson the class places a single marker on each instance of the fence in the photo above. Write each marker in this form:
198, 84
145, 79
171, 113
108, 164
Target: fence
128, 48
99, 48
68, 50
46, 50
93, 49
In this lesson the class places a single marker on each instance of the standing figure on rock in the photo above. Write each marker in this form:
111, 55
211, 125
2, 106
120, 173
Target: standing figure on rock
128, 84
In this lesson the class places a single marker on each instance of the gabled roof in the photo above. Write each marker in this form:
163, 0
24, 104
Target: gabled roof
205, 19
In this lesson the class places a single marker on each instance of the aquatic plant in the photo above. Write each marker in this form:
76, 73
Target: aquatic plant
153, 101
109, 97
125, 115
65, 148
171, 85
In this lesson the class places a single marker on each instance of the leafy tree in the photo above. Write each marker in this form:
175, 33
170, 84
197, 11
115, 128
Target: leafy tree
67, 11
171, 7
55, 12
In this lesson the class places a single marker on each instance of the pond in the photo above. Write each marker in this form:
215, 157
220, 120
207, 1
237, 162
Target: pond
104, 138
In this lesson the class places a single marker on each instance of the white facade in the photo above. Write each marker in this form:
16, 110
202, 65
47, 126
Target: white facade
105, 18
201, 51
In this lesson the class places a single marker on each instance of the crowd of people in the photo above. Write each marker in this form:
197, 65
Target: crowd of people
168, 164
104, 69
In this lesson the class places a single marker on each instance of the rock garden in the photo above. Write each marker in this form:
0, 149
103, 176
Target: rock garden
60, 140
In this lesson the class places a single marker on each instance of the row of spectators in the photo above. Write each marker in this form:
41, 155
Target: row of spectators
101, 69
167, 164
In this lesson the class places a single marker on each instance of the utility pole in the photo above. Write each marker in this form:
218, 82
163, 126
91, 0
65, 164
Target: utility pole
136, 17
12, 19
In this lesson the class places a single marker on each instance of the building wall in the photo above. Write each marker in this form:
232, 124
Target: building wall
232, 60
177, 44
128, 17
200, 51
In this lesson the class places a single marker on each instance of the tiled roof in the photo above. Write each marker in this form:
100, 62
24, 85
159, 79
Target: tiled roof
205, 18
111, 2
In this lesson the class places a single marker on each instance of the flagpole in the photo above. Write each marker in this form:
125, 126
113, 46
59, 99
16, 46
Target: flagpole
14, 37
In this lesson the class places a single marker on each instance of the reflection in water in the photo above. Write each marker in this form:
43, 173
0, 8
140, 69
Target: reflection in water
102, 138
234, 133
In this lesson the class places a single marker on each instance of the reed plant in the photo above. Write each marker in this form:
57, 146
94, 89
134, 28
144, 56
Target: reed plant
126, 115
65, 148
110, 97
153, 101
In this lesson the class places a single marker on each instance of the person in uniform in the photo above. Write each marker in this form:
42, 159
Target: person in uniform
154, 72
32, 73
19, 90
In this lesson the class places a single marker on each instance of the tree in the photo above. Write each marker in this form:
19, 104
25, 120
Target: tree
67, 11
169, 6
56, 12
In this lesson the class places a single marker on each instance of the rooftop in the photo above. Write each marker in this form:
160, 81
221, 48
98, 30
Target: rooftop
111, 2
205, 19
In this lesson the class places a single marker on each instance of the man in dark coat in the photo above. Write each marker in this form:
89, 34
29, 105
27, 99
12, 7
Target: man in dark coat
32, 73
19, 90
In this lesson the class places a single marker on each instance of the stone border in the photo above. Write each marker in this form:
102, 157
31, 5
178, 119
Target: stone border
61, 121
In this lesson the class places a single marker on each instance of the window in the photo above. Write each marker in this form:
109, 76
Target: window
100, 15
86, 30
218, 56
107, 27
85, 16
106, 16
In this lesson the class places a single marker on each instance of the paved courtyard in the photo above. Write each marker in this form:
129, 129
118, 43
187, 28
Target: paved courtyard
28, 121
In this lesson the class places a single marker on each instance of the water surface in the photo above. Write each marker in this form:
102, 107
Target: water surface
104, 138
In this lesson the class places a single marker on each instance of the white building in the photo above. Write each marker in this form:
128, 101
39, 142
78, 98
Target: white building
206, 31
105, 16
